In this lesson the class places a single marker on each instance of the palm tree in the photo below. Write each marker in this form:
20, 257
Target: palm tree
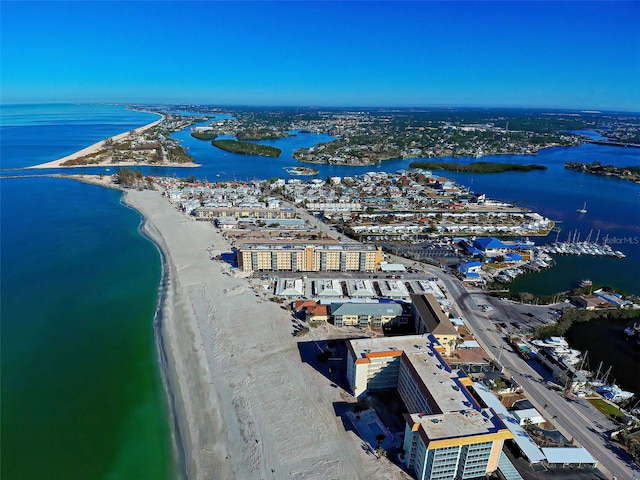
381, 452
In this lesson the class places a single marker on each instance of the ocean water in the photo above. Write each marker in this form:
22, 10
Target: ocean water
33, 134
82, 396
82, 393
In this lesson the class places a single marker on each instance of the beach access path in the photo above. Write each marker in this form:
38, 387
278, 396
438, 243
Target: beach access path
246, 406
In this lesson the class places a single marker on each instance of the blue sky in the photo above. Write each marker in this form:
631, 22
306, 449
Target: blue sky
583, 55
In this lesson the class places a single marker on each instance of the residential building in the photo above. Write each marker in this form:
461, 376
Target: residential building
447, 434
429, 317
309, 258
366, 314
212, 213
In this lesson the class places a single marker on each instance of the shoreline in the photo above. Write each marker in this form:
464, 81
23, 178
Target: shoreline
233, 367
217, 414
96, 147
159, 341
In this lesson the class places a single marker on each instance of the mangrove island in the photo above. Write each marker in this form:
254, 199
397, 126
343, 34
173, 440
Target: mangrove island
246, 148
477, 167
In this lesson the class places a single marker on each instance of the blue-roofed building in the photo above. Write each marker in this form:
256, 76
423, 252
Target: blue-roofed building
487, 244
470, 249
470, 267
512, 257
471, 271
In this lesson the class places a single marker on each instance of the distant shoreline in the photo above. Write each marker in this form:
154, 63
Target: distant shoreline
98, 146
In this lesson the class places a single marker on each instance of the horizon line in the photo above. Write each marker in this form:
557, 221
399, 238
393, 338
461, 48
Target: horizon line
317, 107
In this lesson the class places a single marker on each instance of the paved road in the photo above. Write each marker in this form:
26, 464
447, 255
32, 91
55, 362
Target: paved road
576, 420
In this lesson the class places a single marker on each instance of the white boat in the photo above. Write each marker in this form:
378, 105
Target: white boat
614, 393
583, 209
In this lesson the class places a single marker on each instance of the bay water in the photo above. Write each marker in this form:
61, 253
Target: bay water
82, 396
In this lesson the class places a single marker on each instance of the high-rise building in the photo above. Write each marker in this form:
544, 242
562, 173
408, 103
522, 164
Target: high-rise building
309, 258
447, 434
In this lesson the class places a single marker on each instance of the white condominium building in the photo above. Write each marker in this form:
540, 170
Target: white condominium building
447, 434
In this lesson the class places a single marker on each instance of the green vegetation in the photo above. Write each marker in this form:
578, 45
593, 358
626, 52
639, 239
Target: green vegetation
302, 332
477, 167
246, 148
569, 316
92, 158
629, 440
262, 134
596, 168
128, 177
499, 384
204, 135
606, 408
177, 154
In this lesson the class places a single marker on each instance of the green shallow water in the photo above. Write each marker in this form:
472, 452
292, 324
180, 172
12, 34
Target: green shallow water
82, 396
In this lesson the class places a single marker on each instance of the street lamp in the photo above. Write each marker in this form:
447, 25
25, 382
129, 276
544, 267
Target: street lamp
500, 354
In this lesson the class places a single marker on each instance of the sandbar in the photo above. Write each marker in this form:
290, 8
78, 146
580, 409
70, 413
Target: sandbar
245, 405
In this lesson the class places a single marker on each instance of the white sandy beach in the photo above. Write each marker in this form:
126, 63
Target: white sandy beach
99, 145
246, 405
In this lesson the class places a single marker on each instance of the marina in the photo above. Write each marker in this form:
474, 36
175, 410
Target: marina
573, 246
570, 366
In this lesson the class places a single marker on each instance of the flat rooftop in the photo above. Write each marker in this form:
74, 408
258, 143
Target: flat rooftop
407, 343
526, 445
464, 423
366, 309
360, 288
442, 383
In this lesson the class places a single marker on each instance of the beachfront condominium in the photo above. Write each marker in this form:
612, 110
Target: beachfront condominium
447, 434
309, 258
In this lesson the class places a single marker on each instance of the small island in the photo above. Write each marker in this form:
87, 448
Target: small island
203, 135
477, 167
596, 168
246, 148
301, 171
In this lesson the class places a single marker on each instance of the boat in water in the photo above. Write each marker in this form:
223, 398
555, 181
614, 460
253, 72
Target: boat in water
632, 331
583, 209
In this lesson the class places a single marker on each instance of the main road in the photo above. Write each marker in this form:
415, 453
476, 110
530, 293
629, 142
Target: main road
576, 420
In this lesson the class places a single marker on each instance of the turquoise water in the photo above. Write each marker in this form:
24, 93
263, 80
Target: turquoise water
82, 394
82, 397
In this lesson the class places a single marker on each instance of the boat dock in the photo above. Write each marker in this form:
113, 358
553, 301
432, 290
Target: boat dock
573, 246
